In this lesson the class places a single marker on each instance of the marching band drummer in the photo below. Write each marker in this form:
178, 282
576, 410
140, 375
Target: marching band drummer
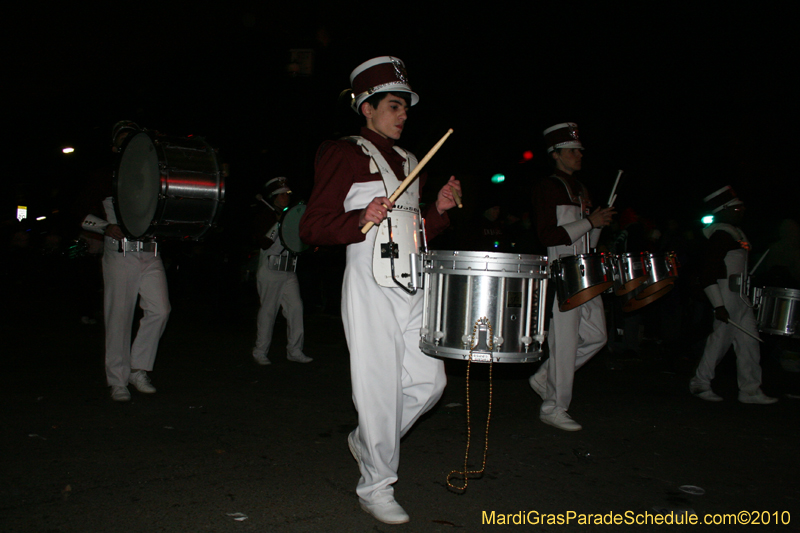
566, 226
276, 278
132, 270
393, 382
724, 270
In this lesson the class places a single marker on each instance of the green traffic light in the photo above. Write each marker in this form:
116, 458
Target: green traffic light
498, 178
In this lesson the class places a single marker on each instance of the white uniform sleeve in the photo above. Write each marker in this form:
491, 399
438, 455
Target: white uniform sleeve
95, 224
714, 295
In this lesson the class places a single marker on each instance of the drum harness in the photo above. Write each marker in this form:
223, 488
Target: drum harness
274, 261
390, 250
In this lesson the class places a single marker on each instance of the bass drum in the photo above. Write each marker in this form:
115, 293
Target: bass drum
167, 187
289, 229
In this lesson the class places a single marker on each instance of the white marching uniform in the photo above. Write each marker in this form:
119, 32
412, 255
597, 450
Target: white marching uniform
394, 383
278, 290
576, 335
126, 278
724, 335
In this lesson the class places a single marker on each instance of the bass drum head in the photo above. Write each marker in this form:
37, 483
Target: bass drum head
289, 230
136, 187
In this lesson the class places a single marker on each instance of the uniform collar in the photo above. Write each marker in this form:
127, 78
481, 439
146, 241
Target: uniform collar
380, 141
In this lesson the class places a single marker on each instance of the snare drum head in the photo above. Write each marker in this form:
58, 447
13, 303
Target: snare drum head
136, 185
290, 229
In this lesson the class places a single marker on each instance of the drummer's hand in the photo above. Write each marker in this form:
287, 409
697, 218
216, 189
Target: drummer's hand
602, 216
720, 313
445, 200
376, 211
115, 232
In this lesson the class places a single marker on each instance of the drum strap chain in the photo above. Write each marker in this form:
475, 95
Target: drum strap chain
464, 474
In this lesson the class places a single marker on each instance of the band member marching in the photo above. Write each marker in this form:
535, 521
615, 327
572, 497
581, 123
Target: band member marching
276, 279
393, 382
724, 270
132, 271
567, 226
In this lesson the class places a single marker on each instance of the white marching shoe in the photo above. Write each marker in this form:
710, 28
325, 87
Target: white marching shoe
388, 513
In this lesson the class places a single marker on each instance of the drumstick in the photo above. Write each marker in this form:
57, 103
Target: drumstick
759, 261
740, 328
613, 199
406, 182
259, 197
456, 197
613, 190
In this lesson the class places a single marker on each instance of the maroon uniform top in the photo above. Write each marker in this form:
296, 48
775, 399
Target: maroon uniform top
339, 165
549, 193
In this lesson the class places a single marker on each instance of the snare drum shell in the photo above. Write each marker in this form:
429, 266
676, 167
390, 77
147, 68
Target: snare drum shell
461, 288
579, 278
779, 311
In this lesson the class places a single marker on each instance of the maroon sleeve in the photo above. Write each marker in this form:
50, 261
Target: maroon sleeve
262, 223
325, 221
719, 244
548, 194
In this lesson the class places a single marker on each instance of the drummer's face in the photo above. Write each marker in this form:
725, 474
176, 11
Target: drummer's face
282, 200
568, 159
389, 118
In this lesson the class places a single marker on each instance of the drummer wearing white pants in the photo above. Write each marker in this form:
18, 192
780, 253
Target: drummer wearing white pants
393, 382
566, 227
132, 271
724, 270
276, 280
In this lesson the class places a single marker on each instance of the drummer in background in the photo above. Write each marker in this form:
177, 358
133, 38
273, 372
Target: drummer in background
567, 226
724, 267
276, 279
393, 381
131, 271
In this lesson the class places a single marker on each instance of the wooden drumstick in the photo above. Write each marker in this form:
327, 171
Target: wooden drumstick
456, 197
259, 197
740, 328
611, 197
406, 182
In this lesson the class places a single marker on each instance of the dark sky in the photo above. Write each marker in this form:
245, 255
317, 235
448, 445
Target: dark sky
684, 101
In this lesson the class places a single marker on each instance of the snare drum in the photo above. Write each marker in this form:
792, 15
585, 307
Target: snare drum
661, 270
489, 304
167, 187
289, 229
579, 278
628, 271
779, 311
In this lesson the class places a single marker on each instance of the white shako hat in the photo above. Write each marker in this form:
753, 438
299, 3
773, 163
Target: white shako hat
276, 186
564, 135
719, 200
382, 74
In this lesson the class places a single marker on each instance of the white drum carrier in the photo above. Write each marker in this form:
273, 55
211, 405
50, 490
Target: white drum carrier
490, 305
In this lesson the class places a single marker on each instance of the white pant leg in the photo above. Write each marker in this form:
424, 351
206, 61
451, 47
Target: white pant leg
720, 340
120, 291
269, 285
154, 301
393, 382
575, 337
292, 309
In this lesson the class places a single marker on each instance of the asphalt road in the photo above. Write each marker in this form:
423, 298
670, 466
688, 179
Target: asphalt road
228, 446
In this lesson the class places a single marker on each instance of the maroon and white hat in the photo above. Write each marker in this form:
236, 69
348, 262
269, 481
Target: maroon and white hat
564, 135
719, 200
379, 75
276, 186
